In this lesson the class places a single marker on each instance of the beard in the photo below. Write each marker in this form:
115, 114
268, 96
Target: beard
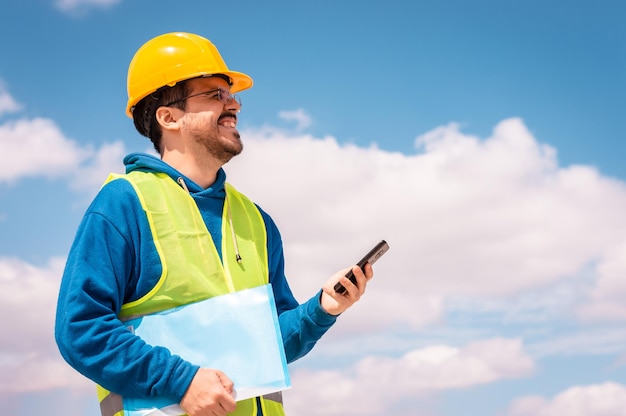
222, 147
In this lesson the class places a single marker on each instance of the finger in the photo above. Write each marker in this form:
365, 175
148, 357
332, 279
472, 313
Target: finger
227, 402
359, 275
348, 283
226, 381
352, 289
369, 271
361, 281
228, 405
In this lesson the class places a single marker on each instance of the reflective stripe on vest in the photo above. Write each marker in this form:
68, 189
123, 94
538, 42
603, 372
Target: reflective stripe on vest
271, 405
191, 267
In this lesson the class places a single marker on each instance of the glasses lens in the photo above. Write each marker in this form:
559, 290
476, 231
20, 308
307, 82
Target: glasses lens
226, 97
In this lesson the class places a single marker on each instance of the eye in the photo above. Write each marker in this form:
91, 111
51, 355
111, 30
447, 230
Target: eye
211, 94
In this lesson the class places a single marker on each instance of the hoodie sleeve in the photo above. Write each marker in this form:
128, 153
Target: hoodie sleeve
100, 275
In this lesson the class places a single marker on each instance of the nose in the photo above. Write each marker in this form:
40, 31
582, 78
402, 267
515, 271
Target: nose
234, 104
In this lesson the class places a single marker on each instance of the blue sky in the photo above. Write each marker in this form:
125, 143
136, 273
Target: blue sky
483, 139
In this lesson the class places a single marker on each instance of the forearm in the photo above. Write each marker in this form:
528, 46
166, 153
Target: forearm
105, 351
303, 326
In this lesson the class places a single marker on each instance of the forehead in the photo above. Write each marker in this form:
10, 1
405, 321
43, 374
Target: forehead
198, 84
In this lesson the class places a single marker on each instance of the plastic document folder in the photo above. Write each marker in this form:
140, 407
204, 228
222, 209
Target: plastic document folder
237, 333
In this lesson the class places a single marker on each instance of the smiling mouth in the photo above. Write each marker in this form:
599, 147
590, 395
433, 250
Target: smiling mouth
228, 120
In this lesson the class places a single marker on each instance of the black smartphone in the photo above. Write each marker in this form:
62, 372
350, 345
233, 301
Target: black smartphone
371, 257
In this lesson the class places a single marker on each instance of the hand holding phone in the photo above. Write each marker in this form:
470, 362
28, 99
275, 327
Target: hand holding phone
371, 257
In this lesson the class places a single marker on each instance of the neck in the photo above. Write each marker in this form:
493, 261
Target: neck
201, 170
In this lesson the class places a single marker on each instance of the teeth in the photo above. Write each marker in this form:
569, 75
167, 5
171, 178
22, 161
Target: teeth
228, 124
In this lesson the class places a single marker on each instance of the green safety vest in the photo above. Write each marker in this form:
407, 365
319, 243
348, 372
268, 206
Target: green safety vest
191, 267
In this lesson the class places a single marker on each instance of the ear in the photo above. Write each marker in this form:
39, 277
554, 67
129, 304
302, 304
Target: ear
168, 117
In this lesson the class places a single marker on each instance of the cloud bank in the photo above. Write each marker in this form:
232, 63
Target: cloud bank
464, 216
389, 380
605, 399
29, 360
38, 148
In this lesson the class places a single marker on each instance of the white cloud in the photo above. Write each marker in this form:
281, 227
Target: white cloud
37, 147
302, 119
7, 103
23, 284
605, 399
29, 360
373, 314
108, 159
607, 297
374, 384
81, 6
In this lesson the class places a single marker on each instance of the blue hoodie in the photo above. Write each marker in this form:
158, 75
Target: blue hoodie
113, 261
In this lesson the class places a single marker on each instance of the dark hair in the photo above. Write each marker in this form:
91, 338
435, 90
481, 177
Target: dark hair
144, 113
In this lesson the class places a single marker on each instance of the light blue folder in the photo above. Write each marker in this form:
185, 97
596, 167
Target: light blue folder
237, 333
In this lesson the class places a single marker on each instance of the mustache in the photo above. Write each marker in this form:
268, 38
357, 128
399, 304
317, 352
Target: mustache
230, 114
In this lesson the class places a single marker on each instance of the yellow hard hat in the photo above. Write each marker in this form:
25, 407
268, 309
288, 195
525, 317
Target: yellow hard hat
173, 57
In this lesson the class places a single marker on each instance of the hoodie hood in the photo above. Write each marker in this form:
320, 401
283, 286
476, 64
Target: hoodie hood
144, 162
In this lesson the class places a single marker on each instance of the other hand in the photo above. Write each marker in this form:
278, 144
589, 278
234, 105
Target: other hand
211, 393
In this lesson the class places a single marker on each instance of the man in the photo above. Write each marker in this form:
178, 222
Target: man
171, 232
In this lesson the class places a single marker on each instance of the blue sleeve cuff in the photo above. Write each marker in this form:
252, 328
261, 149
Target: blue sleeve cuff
318, 314
181, 380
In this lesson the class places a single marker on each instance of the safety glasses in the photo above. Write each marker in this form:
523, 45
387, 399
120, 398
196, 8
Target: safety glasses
223, 95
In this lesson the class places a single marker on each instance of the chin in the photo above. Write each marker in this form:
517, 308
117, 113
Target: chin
228, 153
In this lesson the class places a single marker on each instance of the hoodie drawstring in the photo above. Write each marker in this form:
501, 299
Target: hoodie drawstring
232, 230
